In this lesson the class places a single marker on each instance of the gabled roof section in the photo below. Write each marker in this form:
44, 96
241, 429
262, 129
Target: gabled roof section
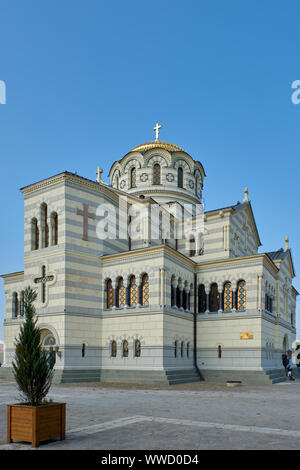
278, 256
236, 207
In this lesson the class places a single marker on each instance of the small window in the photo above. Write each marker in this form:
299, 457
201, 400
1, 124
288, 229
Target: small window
180, 177
192, 246
137, 348
219, 351
145, 289
133, 292
125, 348
83, 350
113, 349
133, 177
156, 174
175, 349
109, 294
181, 348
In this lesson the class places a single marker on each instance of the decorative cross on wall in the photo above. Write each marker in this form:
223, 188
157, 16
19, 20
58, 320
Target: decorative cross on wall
86, 216
236, 239
43, 280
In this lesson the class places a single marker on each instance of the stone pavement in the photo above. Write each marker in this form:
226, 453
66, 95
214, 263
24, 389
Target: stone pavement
189, 416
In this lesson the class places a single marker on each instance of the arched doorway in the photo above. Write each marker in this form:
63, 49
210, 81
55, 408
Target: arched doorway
49, 344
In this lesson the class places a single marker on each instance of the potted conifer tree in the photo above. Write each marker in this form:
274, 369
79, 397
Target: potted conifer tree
34, 419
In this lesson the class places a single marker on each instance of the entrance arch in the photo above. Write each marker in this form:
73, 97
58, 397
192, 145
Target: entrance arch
49, 344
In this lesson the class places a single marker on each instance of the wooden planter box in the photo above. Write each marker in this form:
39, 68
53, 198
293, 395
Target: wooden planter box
36, 423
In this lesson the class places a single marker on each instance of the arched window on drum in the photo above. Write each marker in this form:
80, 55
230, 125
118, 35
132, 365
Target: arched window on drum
133, 177
241, 296
156, 173
180, 177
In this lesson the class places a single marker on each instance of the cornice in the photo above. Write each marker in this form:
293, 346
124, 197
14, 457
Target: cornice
160, 250
12, 275
251, 258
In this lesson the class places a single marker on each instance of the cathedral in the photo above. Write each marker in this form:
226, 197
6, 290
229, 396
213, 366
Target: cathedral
137, 283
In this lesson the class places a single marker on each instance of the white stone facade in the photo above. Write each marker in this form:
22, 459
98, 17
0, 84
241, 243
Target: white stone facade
179, 326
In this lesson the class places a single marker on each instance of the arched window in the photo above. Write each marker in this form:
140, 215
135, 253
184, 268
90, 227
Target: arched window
137, 348
188, 349
192, 246
113, 349
181, 348
133, 292
180, 177
241, 296
133, 177
201, 299
177, 296
156, 173
145, 290
35, 234
121, 293
44, 225
227, 297
175, 349
109, 294
173, 292
83, 350
22, 304
125, 348
214, 298
15, 305
54, 228
219, 351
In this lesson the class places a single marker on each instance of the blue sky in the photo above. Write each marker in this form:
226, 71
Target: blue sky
87, 81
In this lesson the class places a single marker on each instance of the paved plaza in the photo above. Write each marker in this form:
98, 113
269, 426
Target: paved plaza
191, 416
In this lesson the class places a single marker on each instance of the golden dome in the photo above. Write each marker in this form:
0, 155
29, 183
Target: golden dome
157, 144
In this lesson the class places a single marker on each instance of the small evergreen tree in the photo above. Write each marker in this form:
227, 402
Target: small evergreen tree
32, 370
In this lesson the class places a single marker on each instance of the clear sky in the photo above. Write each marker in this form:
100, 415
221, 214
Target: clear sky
87, 80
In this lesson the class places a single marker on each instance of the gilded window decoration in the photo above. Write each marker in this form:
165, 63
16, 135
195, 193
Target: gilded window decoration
113, 349
109, 294
133, 292
137, 348
241, 296
156, 173
125, 348
180, 177
145, 284
227, 294
121, 293
133, 177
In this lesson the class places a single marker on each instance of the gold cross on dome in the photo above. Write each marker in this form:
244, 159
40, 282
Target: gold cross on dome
156, 129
